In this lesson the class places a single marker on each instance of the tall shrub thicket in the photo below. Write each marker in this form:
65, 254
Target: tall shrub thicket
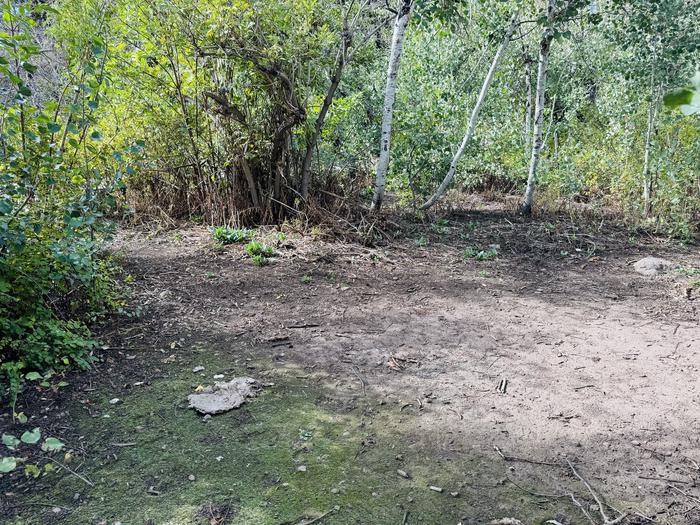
57, 181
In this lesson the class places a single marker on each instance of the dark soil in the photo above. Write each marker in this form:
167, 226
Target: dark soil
387, 359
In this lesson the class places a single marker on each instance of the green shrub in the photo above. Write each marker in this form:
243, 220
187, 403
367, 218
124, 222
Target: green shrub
57, 183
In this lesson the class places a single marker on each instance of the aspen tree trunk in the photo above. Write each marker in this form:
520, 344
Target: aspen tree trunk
473, 118
402, 18
527, 121
545, 46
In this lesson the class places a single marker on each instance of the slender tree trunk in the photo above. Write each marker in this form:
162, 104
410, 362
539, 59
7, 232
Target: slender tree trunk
545, 46
320, 120
527, 121
248, 173
473, 118
646, 173
402, 18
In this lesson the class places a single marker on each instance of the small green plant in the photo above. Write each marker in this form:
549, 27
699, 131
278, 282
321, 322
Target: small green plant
421, 241
254, 248
260, 253
232, 235
307, 279
487, 254
260, 260
281, 236
689, 271
29, 437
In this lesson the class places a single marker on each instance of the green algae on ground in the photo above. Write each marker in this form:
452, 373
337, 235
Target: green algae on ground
282, 456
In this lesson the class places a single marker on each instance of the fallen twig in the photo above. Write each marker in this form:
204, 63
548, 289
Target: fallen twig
524, 460
68, 469
601, 507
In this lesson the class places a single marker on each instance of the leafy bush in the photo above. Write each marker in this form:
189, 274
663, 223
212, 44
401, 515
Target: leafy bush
53, 202
232, 235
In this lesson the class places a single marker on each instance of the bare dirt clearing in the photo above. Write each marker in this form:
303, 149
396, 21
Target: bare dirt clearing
554, 350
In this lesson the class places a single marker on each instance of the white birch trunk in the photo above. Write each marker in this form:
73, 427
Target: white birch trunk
545, 46
527, 122
473, 118
402, 18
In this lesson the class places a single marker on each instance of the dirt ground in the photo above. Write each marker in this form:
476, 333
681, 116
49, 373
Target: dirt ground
388, 360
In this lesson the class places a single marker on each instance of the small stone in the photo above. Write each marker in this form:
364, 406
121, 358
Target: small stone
198, 369
436, 489
652, 266
219, 376
636, 443
334, 491
403, 474
301, 468
115, 401
191, 477
56, 510
454, 494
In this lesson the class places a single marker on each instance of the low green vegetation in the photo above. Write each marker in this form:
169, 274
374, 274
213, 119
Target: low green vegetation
480, 254
226, 235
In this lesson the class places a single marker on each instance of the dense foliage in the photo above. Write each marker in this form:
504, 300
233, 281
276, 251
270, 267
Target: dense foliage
57, 180
242, 112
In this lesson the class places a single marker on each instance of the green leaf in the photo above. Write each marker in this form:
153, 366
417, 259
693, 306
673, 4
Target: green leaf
52, 444
31, 437
31, 68
21, 417
96, 136
678, 97
10, 441
53, 127
7, 464
32, 376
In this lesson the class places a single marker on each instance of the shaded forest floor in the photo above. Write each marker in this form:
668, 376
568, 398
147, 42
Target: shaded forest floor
384, 360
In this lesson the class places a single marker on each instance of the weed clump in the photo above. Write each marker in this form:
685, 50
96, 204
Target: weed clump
232, 235
479, 254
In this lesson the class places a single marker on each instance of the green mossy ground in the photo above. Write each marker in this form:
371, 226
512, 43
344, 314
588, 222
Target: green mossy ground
248, 459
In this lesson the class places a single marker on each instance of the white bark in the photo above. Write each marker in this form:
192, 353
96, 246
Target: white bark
473, 118
545, 46
402, 18
527, 122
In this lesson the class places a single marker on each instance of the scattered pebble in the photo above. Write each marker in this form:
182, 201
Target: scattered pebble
436, 489
198, 369
403, 474
219, 376
191, 477
301, 468
115, 401
454, 494
334, 491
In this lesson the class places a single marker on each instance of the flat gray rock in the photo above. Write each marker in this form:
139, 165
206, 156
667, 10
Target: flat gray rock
651, 266
223, 397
